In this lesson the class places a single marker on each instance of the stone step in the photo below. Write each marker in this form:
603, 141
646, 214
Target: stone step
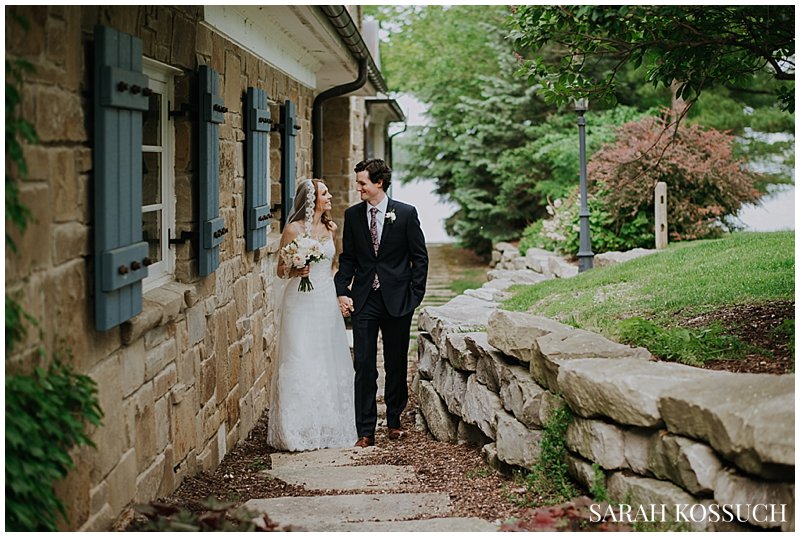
319, 513
319, 458
372, 478
429, 524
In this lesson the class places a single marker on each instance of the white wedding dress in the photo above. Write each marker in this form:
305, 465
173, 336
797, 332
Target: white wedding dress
311, 404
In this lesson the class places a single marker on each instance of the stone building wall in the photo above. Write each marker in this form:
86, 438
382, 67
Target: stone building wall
181, 383
344, 148
652, 433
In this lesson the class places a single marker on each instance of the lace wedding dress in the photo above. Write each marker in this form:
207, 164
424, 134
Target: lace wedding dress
312, 391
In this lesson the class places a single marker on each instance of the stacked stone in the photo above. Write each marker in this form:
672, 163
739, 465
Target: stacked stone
506, 258
662, 433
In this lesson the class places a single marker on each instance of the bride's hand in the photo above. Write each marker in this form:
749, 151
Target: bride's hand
303, 272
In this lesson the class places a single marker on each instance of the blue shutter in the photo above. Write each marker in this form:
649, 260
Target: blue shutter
212, 227
120, 255
257, 126
288, 129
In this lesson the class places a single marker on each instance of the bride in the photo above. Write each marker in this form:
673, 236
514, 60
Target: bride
311, 403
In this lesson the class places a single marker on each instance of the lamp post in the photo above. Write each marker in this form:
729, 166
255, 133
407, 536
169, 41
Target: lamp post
585, 253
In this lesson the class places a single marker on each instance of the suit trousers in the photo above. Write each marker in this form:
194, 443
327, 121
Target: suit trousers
372, 318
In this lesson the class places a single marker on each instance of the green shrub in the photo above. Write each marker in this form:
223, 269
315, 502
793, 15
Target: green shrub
706, 184
561, 234
46, 416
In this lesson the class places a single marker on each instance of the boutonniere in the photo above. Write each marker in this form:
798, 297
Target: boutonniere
390, 216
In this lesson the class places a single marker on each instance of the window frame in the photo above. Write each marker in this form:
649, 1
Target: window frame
162, 80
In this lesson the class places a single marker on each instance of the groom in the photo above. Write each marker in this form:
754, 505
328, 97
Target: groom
385, 259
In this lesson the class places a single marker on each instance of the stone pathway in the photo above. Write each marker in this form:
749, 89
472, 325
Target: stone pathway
376, 496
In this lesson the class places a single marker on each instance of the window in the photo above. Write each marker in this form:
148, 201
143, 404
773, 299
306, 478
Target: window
158, 174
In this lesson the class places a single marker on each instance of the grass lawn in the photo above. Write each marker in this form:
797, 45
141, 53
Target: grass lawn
646, 301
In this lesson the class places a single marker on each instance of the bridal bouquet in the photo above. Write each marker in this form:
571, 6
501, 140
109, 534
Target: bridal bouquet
300, 252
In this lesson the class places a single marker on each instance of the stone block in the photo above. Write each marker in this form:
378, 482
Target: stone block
32, 250
598, 441
611, 258
170, 300
647, 492
158, 335
637, 446
560, 268
157, 359
136, 326
70, 241
196, 319
441, 424
428, 356
131, 362
457, 352
515, 276
490, 360
161, 413
688, 464
747, 418
183, 423
735, 489
145, 423
584, 473
521, 395
114, 437
461, 314
481, 407
188, 366
69, 192
451, 385
485, 292
148, 482
165, 380
516, 444
121, 479
59, 116
556, 348
515, 333
625, 390
183, 42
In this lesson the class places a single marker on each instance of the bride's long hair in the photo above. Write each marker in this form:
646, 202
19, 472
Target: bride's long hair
306, 197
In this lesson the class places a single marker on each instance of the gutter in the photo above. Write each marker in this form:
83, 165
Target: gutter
341, 21
316, 112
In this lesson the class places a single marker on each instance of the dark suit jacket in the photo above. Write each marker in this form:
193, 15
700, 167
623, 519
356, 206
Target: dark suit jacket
401, 263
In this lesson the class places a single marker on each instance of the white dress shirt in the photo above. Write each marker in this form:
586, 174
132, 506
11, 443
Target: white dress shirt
380, 216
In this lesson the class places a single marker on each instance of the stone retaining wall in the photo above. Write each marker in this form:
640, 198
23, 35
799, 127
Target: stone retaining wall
662, 433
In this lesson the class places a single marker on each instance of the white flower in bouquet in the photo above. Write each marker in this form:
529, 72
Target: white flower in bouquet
300, 252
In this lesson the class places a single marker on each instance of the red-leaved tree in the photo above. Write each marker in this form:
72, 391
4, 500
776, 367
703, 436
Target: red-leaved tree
705, 183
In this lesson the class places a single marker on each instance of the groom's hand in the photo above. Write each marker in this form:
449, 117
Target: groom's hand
345, 305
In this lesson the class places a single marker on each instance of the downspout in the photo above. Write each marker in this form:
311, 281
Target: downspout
390, 145
316, 111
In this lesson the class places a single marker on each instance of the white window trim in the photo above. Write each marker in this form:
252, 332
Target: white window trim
162, 80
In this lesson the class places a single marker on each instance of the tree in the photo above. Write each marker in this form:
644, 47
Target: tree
697, 46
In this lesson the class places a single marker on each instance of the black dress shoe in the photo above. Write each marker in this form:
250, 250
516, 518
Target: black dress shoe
365, 441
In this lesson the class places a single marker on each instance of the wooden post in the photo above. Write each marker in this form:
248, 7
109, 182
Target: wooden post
661, 215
